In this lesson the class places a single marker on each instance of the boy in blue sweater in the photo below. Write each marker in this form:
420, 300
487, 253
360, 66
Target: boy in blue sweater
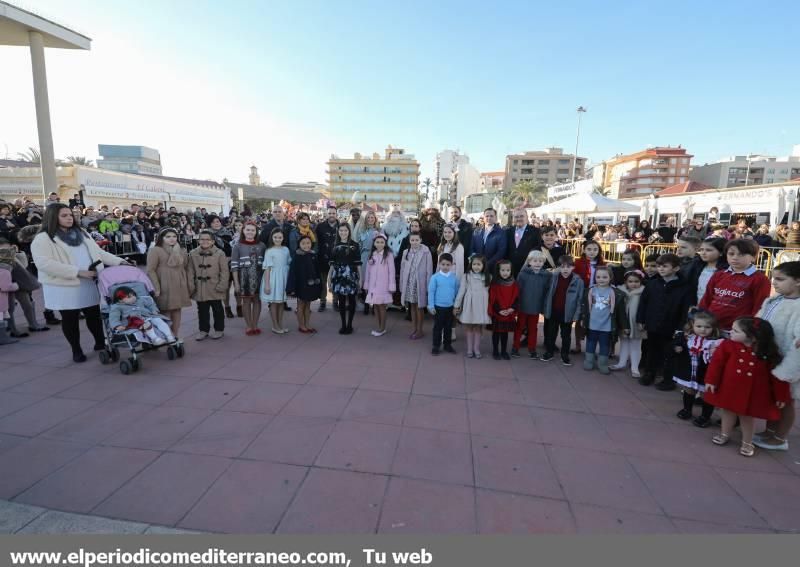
442, 291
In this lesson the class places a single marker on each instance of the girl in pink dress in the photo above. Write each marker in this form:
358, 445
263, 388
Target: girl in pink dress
379, 281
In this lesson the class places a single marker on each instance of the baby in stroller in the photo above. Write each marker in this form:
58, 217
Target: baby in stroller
140, 314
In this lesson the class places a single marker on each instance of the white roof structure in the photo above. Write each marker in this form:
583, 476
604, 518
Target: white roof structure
23, 27
588, 203
15, 23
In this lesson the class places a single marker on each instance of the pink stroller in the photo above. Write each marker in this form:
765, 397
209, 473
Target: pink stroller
108, 280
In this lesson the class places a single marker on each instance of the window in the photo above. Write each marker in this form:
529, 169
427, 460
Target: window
542, 171
684, 160
516, 162
563, 161
527, 162
672, 170
544, 162
771, 171
561, 171
527, 171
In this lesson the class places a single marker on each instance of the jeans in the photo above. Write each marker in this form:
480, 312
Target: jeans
443, 326
601, 337
552, 327
204, 309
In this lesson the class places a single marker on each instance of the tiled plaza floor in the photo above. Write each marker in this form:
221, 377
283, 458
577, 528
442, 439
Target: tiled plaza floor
357, 434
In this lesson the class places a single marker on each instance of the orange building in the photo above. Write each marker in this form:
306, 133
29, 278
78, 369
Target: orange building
644, 173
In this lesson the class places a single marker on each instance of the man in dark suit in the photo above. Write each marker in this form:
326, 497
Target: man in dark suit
490, 241
464, 233
521, 238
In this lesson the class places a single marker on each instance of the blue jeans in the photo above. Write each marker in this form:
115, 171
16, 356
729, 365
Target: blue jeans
602, 337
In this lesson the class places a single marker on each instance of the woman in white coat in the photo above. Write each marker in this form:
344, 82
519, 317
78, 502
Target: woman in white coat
63, 254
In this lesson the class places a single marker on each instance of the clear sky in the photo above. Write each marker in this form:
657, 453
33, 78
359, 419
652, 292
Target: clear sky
219, 85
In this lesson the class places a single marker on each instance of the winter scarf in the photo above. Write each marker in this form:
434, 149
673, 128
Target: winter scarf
307, 231
72, 236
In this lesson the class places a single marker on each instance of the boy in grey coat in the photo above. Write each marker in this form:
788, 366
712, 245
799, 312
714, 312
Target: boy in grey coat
563, 307
534, 282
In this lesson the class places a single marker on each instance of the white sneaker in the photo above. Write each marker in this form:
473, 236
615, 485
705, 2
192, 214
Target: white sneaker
216, 335
201, 337
378, 333
616, 367
159, 341
758, 442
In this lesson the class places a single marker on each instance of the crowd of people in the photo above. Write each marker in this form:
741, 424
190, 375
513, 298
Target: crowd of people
701, 318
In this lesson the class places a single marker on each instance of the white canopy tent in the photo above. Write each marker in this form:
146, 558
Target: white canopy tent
587, 203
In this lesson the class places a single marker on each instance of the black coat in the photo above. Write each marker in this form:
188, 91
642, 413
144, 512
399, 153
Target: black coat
304, 280
465, 238
272, 225
664, 305
326, 240
692, 272
531, 240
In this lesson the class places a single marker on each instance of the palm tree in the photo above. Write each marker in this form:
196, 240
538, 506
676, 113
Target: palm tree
79, 160
525, 194
31, 156
427, 184
605, 192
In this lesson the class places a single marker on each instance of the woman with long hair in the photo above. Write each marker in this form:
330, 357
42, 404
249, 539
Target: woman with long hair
167, 265
68, 260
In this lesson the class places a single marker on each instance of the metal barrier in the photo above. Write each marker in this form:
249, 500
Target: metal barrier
764, 260
786, 255
658, 249
612, 249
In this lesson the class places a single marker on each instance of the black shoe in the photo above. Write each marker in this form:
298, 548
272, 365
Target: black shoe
321, 307
228, 312
505, 356
534, 355
647, 379
435, 351
78, 357
98, 348
450, 349
566, 361
666, 385
546, 357
343, 331
348, 331
496, 355
39, 329
286, 307
20, 335
239, 311
52, 320
366, 309
514, 353
684, 414
701, 421
698, 401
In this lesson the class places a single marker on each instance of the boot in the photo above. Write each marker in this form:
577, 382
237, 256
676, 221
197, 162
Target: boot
5, 339
666, 385
239, 311
602, 364
50, 318
588, 361
343, 316
228, 312
647, 379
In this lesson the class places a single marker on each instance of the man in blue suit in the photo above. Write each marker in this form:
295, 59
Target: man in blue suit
490, 241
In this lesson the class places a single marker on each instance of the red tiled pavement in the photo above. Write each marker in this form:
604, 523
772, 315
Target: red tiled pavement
325, 433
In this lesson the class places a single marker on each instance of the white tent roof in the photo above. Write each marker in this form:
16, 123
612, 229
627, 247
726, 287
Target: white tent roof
588, 203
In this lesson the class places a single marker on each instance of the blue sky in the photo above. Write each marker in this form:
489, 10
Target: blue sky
216, 86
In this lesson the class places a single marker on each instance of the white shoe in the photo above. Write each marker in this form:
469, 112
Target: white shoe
171, 339
758, 442
378, 333
216, 335
201, 337
616, 367
374, 333
159, 341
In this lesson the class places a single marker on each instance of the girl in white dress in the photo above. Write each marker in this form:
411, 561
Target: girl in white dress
276, 270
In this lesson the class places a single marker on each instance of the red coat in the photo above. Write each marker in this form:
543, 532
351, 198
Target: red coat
745, 384
503, 297
583, 268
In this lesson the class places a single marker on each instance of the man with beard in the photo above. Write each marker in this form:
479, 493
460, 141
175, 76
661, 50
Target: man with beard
327, 231
396, 230
432, 225
464, 233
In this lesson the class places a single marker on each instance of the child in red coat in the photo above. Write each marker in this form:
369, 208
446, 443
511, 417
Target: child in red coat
739, 380
503, 300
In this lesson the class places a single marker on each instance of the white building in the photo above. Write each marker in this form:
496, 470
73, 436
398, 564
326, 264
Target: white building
447, 164
736, 171
466, 181
129, 159
113, 188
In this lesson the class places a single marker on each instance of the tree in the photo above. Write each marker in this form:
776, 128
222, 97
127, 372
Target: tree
427, 184
79, 160
525, 194
605, 192
31, 156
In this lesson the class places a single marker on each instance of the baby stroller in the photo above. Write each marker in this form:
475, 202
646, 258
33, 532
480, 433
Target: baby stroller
108, 280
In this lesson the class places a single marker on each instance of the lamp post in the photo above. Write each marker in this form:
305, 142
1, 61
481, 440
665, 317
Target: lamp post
580, 110
747, 175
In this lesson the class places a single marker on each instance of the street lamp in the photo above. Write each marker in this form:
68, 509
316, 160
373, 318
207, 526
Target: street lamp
580, 110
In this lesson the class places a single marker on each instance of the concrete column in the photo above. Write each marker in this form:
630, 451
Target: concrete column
48, 159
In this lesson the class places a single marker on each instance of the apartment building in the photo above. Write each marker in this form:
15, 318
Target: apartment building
547, 166
737, 171
391, 178
645, 172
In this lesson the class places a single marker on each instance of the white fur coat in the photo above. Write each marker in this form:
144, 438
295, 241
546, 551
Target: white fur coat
785, 320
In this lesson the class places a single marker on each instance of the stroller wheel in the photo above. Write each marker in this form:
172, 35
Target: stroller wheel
136, 363
104, 356
172, 353
125, 367
114, 354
